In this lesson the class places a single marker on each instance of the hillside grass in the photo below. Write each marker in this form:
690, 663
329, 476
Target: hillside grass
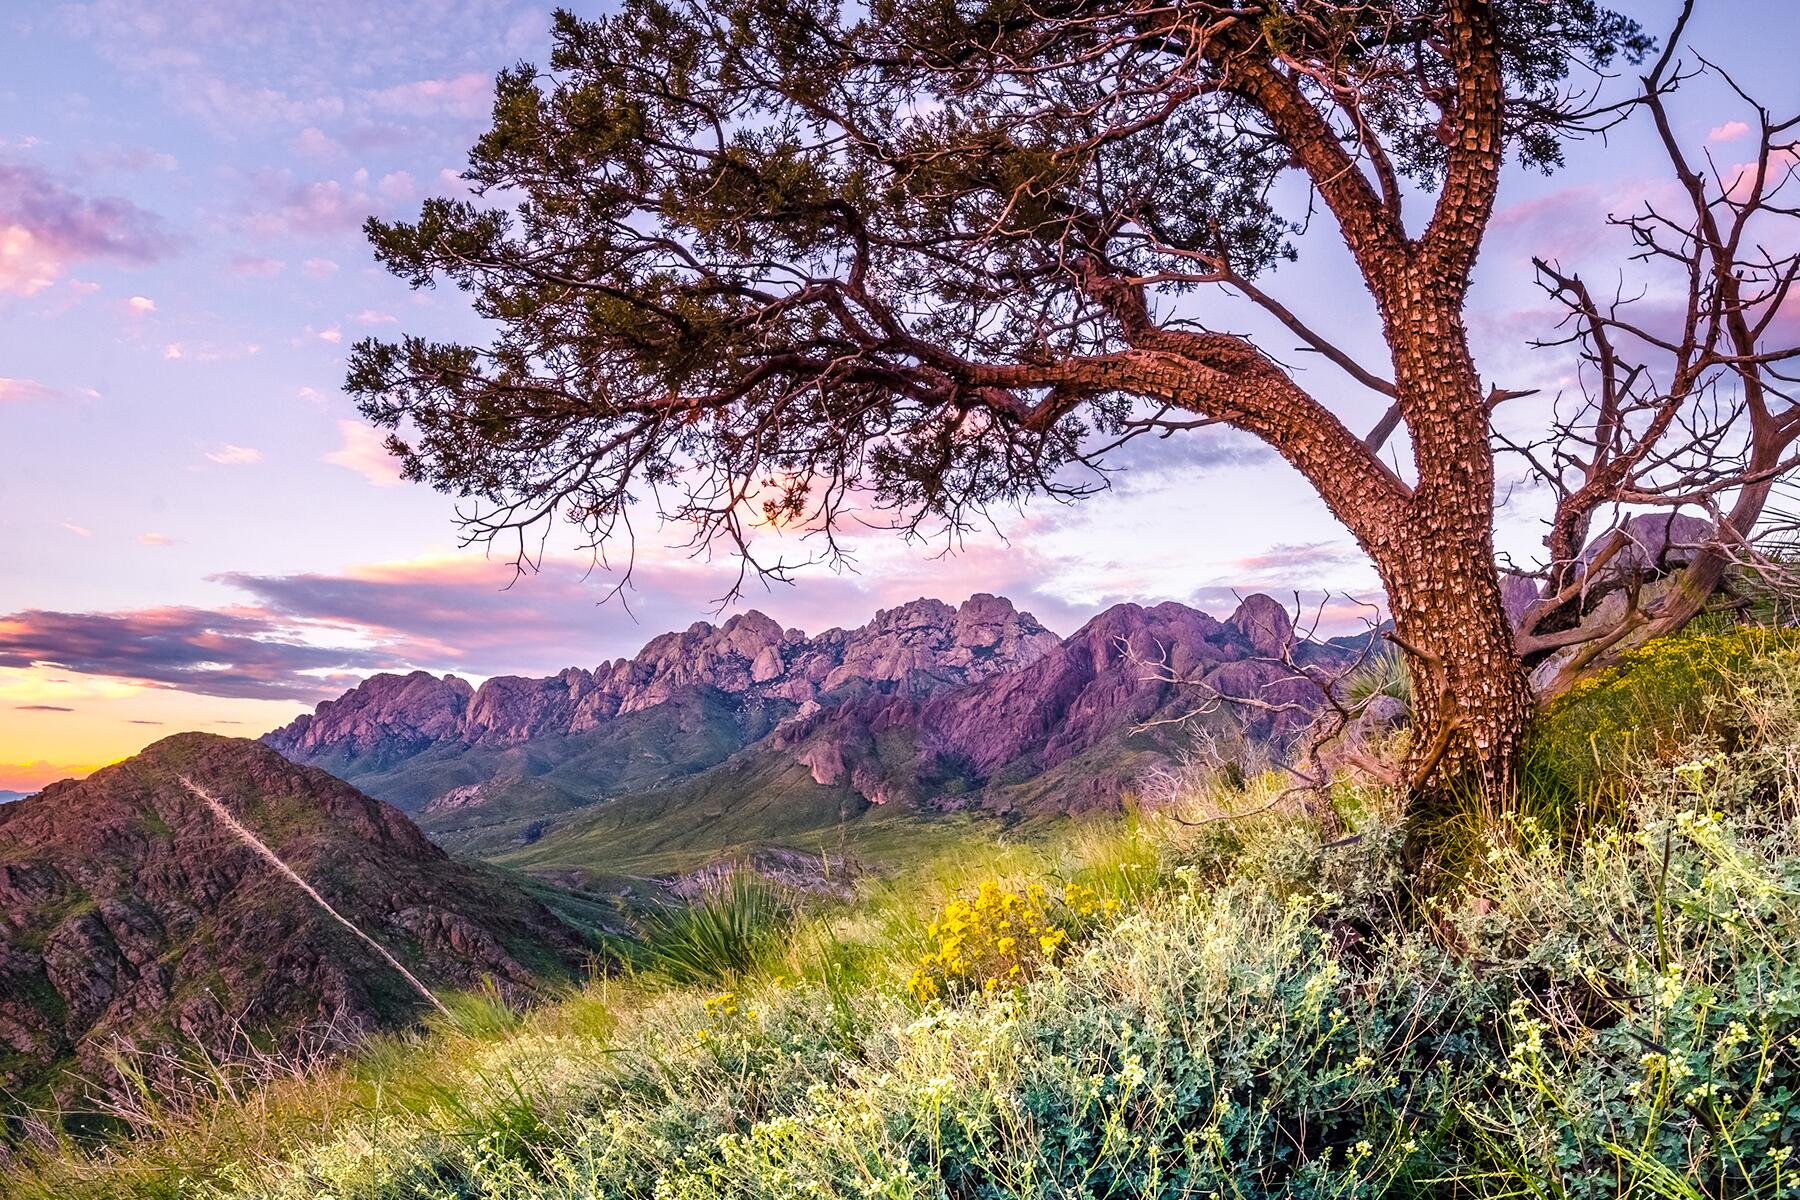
1205, 1002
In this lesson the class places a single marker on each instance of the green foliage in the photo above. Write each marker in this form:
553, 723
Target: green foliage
725, 932
1656, 702
926, 169
1383, 675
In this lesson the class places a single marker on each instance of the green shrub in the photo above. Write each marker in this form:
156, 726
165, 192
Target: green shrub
1384, 674
725, 932
1652, 1046
1661, 697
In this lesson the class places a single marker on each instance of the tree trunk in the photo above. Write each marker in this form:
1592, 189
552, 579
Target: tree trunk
1471, 700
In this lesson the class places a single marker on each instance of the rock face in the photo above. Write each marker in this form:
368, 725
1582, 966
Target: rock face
438, 746
1126, 668
131, 916
915, 648
385, 719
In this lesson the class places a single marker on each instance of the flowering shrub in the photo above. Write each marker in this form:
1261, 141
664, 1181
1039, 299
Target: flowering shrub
1001, 936
1651, 706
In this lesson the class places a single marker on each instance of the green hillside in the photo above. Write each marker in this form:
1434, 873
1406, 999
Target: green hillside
1598, 999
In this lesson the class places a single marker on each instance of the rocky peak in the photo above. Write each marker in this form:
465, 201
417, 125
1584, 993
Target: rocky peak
401, 713
1264, 623
1129, 665
134, 914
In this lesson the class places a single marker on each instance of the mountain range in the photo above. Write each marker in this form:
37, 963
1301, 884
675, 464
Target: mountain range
220, 896
718, 739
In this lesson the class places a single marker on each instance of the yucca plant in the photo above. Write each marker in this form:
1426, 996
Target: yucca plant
727, 931
1381, 675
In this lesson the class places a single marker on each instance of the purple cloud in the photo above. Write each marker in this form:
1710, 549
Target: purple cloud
241, 655
45, 225
467, 95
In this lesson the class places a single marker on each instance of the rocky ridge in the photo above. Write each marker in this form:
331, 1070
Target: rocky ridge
132, 919
1076, 729
1123, 670
915, 649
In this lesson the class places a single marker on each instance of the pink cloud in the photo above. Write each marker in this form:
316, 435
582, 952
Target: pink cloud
398, 187
45, 226
363, 451
286, 208
318, 268
251, 266
20, 390
156, 539
315, 143
1729, 131
468, 95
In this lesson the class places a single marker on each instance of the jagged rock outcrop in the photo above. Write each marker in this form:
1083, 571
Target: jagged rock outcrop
132, 917
382, 720
1073, 730
915, 648
1128, 667
517, 749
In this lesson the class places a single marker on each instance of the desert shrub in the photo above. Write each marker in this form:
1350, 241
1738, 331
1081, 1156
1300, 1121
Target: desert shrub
1001, 937
727, 931
1652, 1046
1208, 1043
1384, 674
1601, 734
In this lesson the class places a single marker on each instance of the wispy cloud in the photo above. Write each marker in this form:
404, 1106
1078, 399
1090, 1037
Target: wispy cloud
363, 451
235, 456
1288, 563
255, 266
16, 390
467, 95
245, 655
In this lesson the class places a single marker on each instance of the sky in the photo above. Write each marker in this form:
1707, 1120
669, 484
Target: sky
198, 532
